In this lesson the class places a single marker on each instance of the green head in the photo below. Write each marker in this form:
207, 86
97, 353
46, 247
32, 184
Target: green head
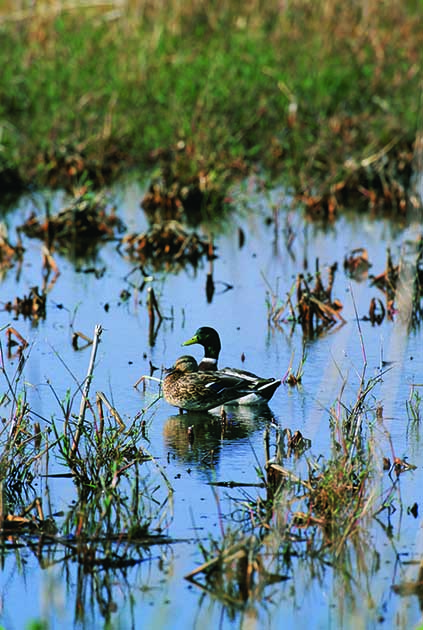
209, 339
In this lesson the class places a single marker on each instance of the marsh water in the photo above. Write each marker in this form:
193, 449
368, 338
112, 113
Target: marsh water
277, 243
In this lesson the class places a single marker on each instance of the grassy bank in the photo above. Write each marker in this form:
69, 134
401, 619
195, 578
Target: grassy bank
327, 94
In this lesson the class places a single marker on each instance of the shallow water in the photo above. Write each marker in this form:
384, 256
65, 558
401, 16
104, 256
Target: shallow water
154, 593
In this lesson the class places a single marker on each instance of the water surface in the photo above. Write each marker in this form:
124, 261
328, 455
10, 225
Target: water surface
154, 593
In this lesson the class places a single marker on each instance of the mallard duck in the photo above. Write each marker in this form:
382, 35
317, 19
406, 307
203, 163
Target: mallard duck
260, 389
186, 387
210, 340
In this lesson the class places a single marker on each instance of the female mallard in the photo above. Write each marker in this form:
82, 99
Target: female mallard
186, 387
260, 389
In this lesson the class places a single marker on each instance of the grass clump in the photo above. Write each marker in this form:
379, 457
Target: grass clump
329, 507
315, 310
20, 438
77, 228
402, 283
118, 501
326, 93
314, 521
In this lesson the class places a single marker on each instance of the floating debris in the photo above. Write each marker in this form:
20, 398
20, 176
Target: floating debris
402, 284
80, 335
25, 521
296, 443
21, 342
387, 280
377, 312
294, 379
357, 264
167, 246
77, 227
401, 465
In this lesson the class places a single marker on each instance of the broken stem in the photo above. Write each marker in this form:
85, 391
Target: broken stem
97, 334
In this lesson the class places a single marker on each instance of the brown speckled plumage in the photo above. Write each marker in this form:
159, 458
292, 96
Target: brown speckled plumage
187, 388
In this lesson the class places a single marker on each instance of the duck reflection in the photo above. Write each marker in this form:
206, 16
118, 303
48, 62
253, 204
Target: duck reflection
197, 437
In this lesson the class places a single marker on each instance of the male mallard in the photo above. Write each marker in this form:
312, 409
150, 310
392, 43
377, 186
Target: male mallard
186, 387
260, 389
210, 340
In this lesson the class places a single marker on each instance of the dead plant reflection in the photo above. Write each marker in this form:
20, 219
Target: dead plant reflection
107, 566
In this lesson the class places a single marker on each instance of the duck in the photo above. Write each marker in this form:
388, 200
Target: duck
190, 389
208, 338
260, 389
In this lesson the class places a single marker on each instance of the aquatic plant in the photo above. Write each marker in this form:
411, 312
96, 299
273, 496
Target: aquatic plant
19, 439
402, 283
413, 405
119, 506
78, 227
314, 310
167, 246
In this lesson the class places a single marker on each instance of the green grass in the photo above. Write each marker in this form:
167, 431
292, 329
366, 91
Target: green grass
82, 92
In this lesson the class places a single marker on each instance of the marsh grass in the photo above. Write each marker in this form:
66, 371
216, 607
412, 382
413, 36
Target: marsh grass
402, 283
310, 303
106, 462
123, 500
326, 94
335, 498
314, 309
413, 405
21, 440
309, 521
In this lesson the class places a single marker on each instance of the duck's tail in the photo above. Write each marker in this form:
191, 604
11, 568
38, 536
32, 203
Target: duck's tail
268, 388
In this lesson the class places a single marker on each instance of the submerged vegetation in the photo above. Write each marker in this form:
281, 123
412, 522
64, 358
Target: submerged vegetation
326, 94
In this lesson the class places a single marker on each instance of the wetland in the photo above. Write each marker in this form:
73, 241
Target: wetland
158, 175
